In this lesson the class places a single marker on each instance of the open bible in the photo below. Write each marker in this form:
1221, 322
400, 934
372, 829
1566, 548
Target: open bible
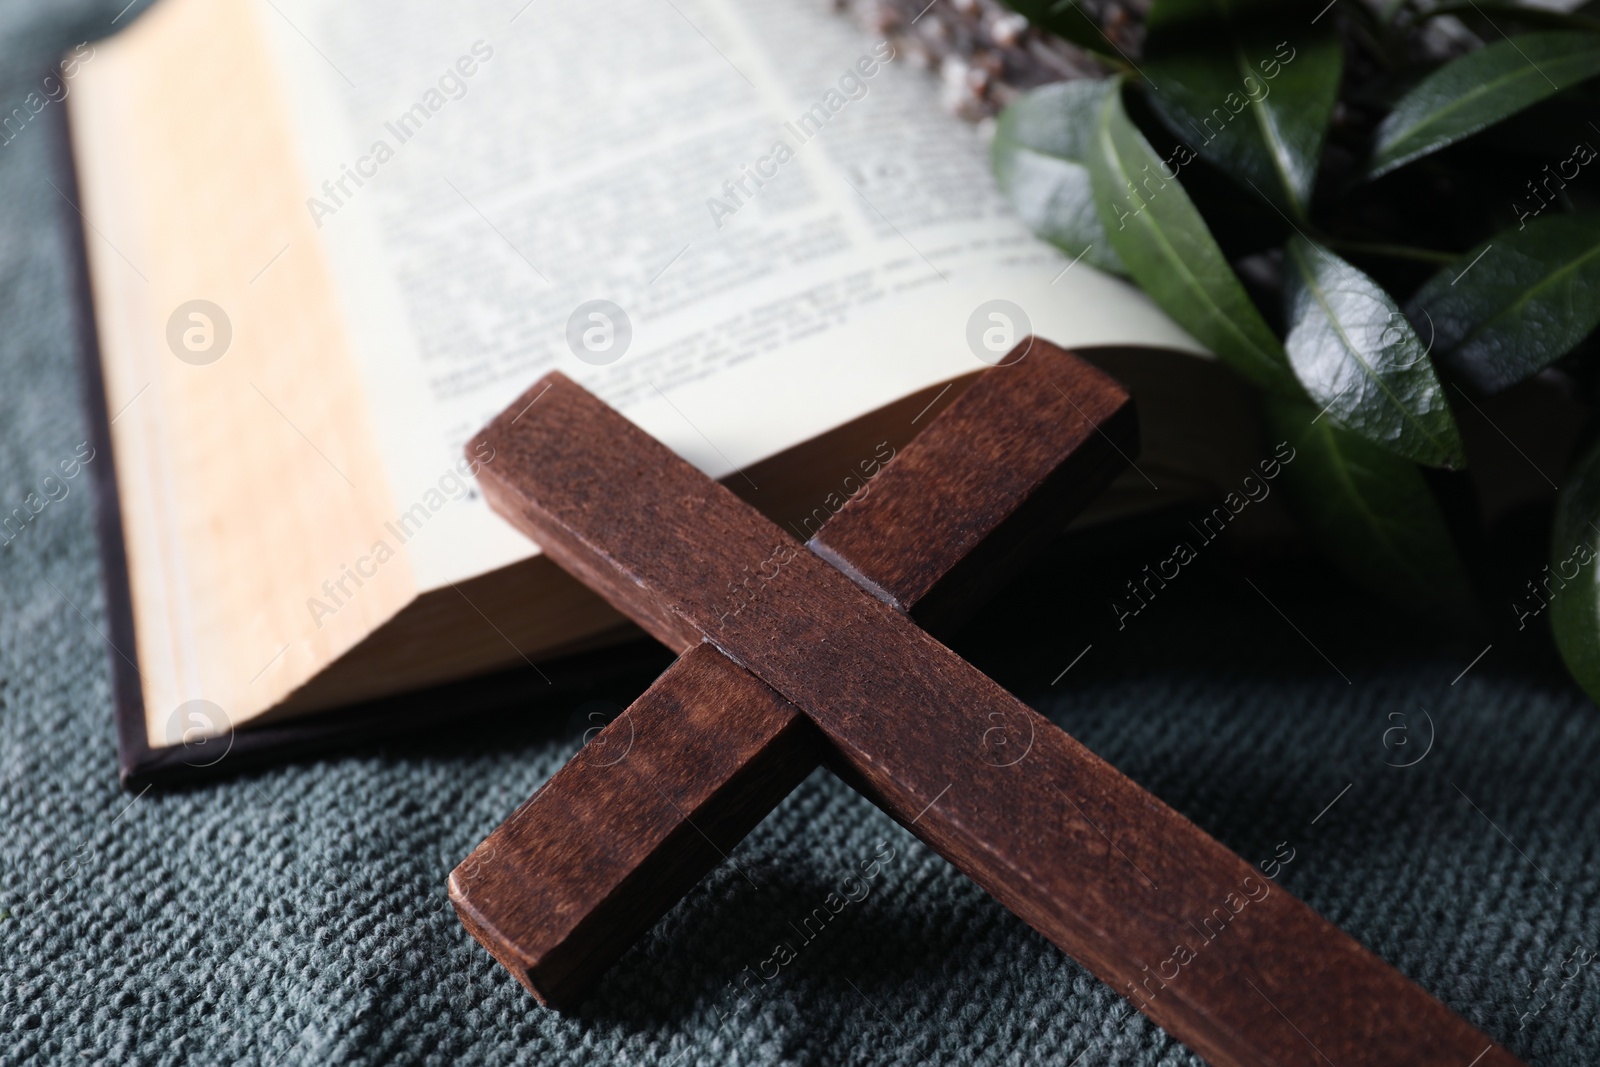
326, 242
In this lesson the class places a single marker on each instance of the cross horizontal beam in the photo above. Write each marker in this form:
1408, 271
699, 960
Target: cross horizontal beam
563, 887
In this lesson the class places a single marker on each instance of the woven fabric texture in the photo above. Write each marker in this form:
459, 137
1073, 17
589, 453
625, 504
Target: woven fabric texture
298, 915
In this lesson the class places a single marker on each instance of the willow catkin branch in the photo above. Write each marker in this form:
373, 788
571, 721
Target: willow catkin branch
984, 54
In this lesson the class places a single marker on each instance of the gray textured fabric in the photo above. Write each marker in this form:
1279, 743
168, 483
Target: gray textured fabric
298, 916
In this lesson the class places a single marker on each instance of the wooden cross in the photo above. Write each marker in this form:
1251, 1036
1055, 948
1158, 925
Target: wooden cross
793, 654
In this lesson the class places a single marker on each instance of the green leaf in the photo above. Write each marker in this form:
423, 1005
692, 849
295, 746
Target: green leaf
1573, 594
1249, 88
1039, 147
1478, 90
1066, 19
1164, 243
1371, 512
1516, 303
1360, 360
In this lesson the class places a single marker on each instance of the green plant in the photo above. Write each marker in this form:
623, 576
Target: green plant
1374, 213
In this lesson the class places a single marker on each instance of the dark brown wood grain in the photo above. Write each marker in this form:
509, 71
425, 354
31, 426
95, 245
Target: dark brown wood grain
993, 478
620, 833
1194, 936
504, 888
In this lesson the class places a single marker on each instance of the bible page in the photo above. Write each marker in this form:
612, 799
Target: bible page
741, 224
